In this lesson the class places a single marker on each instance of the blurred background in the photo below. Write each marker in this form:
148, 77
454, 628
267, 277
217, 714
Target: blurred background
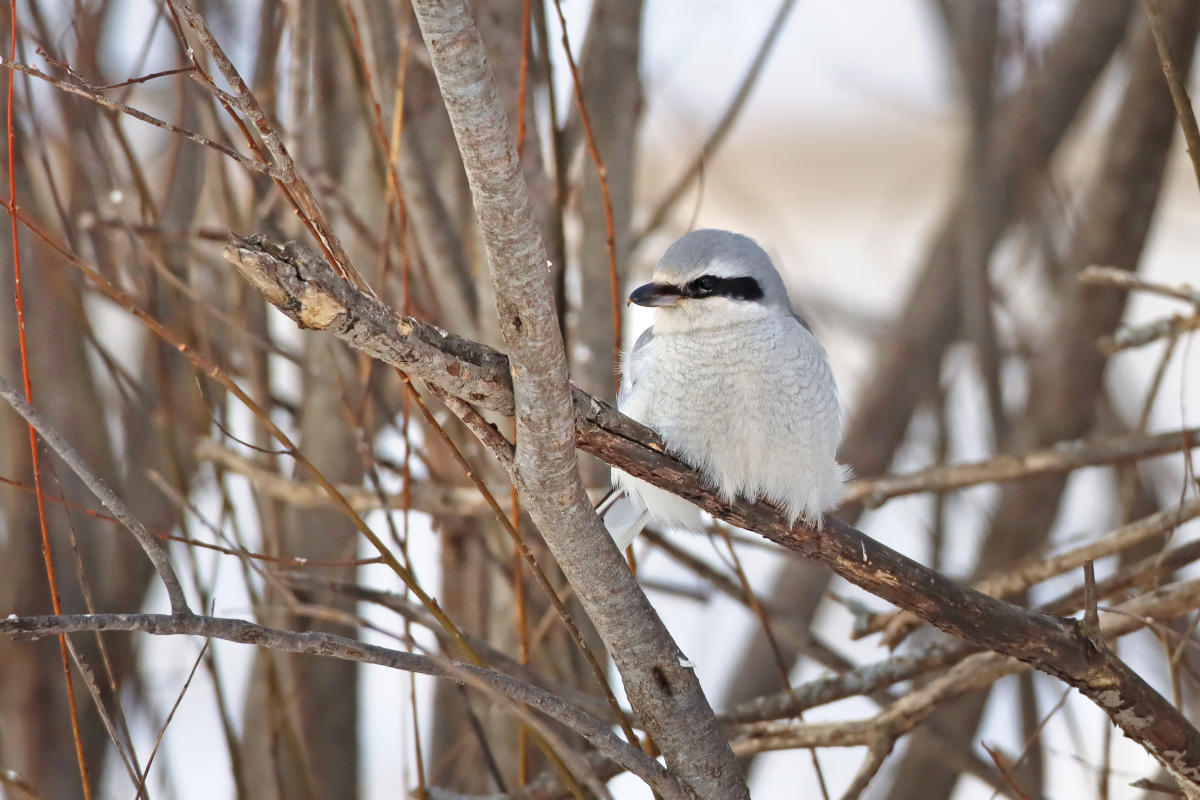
931, 176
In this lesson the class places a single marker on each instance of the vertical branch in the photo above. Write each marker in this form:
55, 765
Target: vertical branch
665, 693
610, 243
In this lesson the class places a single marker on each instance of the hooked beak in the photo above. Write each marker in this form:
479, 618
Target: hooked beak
656, 295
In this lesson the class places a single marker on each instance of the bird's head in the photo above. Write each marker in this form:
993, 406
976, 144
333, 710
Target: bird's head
713, 278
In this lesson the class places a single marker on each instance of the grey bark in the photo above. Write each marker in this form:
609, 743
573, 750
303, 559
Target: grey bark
665, 694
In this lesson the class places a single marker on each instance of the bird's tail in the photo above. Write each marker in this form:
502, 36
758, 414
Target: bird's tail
623, 519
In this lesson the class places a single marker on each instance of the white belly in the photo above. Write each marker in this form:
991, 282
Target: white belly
753, 406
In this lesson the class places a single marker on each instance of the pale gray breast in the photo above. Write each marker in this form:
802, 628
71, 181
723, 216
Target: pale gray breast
719, 397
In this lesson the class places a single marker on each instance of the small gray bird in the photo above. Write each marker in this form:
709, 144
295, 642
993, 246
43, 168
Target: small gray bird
734, 382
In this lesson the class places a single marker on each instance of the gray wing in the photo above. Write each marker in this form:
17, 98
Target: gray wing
635, 363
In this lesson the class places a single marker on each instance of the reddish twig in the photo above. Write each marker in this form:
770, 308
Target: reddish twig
1004, 766
523, 82
610, 236
200, 139
19, 302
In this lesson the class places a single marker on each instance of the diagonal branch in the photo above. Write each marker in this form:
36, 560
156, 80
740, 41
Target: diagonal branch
153, 548
1051, 644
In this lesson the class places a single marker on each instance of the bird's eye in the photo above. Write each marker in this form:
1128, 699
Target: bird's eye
705, 283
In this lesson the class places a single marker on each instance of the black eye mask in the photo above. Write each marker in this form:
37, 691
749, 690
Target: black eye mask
744, 288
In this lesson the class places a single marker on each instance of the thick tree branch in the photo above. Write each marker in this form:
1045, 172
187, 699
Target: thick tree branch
665, 693
1029, 573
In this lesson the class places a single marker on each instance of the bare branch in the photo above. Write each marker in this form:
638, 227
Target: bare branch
153, 548
331, 645
663, 691
1062, 457
1132, 281
252, 164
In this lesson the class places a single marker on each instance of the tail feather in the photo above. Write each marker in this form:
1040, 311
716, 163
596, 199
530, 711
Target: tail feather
623, 519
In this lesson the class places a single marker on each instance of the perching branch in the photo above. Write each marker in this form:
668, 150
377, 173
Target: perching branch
1050, 644
1022, 576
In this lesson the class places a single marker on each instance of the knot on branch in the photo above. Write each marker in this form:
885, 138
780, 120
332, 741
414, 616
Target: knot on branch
292, 278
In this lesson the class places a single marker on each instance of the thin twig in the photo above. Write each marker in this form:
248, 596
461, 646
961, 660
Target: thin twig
1177, 84
192, 136
669, 198
1131, 336
1091, 617
333, 646
152, 547
141, 787
1132, 281
1062, 457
